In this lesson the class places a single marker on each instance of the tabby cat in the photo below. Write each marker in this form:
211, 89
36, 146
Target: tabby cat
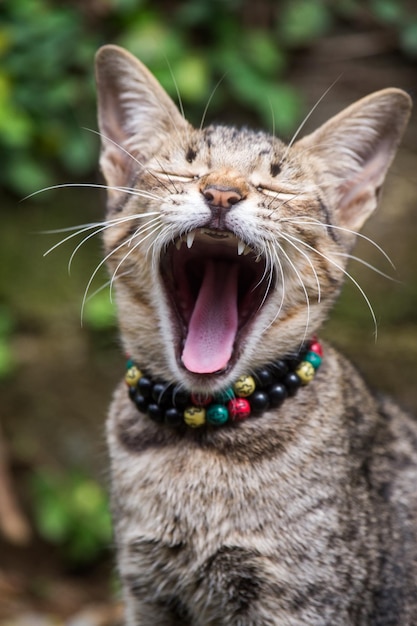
256, 481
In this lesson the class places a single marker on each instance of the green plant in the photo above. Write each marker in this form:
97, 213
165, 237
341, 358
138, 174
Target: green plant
7, 362
243, 52
71, 511
46, 93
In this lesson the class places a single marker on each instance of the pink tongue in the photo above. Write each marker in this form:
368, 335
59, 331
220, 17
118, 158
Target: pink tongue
213, 325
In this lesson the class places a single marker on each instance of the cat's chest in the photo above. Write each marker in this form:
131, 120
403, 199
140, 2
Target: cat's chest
186, 493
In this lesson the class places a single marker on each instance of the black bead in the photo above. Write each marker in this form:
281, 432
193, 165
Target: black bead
292, 383
264, 377
280, 368
141, 402
145, 386
155, 413
173, 417
161, 393
259, 402
277, 394
132, 393
180, 399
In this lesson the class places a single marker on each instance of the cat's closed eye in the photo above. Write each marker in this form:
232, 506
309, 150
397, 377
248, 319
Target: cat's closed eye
181, 178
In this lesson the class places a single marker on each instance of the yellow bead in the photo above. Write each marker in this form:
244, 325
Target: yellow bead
133, 376
305, 371
244, 386
195, 416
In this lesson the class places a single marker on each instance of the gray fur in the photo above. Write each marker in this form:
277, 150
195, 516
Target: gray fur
306, 516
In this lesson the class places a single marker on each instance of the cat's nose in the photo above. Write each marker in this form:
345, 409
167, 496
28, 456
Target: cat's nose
220, 196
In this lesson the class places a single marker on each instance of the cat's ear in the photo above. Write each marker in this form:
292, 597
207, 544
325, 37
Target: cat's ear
135, 114
355, 149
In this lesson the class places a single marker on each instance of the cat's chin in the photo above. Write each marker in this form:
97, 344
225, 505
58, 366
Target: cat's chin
215, 286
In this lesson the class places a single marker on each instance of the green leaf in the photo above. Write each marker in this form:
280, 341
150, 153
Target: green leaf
99, 312
192, 77
303, 21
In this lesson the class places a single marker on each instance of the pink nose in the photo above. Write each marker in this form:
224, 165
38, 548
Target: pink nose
223, 197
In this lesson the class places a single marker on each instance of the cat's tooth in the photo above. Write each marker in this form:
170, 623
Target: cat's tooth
258, 258
178, 243
240, 247
190, 239
247, 250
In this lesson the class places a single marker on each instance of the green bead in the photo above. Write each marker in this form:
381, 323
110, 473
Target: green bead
313, 358
217, 414
225, 395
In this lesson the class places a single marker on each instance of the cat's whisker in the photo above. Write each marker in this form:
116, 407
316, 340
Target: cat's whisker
104, 138
105, 227
308, 221
104, 286
100, 226
273, 254
160, 241
306, 256
368, 265
269, 268
95, 272
307, 117
153, 228
345, 273
206, 108
303, 287
129, 190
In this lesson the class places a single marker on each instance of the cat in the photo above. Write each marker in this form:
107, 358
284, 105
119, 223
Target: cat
256, 480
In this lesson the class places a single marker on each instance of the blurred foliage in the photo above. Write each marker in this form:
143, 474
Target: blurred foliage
99, 312
6, 353
46, 66
71, 511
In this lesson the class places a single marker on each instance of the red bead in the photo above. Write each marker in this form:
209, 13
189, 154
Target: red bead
239, 409
199, 399
316, 347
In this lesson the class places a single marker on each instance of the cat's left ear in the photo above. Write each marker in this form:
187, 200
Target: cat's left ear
135, 114
355, 149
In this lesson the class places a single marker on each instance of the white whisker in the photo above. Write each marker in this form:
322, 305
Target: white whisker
153, 228
305, 255
307, 299
368, 265
203, 117
100, 226
307, 117
347, 274
311, 222
131, 191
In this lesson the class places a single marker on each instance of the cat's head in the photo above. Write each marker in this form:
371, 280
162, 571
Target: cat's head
228, 246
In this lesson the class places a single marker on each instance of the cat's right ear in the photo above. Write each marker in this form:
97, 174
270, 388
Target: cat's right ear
355, 149
135, 115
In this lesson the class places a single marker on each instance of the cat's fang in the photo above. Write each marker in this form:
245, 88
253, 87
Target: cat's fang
241, 247
190, 239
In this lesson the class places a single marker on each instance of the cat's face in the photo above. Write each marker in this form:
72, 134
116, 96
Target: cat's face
228, 247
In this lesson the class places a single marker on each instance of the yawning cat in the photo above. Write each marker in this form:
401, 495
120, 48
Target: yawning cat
256, 481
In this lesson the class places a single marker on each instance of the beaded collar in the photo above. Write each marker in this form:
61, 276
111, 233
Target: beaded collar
251, 394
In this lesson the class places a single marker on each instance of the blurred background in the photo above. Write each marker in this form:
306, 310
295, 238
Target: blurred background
274, 59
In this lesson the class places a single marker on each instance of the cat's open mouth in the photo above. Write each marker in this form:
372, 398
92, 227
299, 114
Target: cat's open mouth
216, 284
